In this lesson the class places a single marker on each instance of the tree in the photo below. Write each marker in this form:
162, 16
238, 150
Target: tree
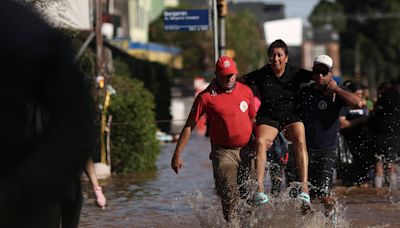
370, 37
245, 38
134, 146
328, 13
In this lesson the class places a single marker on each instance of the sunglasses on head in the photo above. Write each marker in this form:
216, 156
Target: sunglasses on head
323, 72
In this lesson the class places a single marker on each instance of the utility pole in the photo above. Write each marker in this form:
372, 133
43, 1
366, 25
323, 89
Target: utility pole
215, 28
222, 7
101, 72
99, 38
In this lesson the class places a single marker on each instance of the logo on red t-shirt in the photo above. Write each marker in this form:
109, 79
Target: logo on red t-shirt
243, 106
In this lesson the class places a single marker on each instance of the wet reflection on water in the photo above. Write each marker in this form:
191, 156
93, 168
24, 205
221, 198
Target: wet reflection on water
163, 199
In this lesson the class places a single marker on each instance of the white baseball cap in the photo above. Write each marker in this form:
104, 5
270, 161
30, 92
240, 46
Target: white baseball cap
325, 60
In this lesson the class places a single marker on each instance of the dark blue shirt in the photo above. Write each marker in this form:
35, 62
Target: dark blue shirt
320, 115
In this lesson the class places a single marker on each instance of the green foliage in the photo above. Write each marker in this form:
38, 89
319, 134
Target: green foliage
133, 143
245, 38
328, 13
156, 78
371, 32
87, 61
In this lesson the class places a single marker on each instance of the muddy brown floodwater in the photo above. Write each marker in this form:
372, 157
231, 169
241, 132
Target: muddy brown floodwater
164, 199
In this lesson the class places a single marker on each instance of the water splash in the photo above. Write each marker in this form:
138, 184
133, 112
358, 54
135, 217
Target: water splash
281, 211
394, 191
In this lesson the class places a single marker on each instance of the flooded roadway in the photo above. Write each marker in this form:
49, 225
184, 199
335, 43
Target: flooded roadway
163, 199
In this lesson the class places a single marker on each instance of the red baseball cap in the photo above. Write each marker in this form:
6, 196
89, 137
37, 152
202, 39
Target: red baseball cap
225, 66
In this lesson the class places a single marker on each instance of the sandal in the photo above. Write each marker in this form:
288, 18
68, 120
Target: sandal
306, 204
261, 198
305, 197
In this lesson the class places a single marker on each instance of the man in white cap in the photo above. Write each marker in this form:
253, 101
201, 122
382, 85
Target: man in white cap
319, 108
230, 112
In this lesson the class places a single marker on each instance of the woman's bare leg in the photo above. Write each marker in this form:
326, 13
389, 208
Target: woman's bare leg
392, 170
295, 132
379, 174
265, 136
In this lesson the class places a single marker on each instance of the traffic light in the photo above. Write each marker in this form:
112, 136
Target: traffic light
222, 7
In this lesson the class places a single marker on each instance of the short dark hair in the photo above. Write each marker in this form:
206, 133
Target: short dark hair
383, 86
352, 86
278, 44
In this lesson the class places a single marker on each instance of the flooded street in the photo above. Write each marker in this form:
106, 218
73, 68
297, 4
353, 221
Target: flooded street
164, 199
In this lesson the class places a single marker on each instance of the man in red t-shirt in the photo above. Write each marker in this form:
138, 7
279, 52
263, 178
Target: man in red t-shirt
230, 112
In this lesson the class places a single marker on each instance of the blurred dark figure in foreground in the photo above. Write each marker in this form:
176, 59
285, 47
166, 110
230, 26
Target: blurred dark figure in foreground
47, 123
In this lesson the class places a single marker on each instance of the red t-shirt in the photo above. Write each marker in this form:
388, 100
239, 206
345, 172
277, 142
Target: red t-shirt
229, 115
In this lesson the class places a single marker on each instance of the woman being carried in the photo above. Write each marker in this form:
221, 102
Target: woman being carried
278, 84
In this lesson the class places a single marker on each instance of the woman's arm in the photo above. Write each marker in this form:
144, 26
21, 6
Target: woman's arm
91, 174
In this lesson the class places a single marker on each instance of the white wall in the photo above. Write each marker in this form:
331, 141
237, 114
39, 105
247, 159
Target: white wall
289, 30
139, 20
180, 108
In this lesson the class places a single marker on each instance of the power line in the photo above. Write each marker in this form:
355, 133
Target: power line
359, 17
133, 122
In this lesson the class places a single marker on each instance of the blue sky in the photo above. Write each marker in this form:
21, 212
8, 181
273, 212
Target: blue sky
293, 8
